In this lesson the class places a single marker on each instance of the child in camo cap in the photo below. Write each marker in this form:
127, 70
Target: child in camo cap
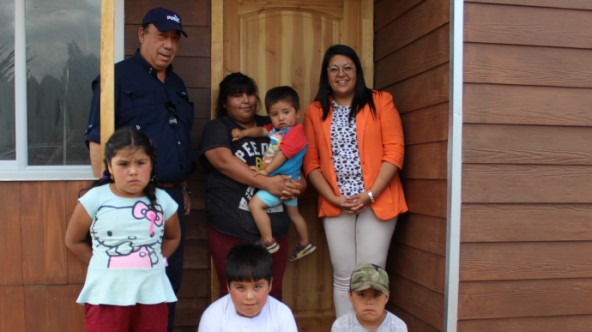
369, 294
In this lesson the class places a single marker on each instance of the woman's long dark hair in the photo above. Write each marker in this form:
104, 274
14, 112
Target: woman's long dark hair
129, 139
362, 94
232, 84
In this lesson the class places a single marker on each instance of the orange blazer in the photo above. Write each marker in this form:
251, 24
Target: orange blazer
380, 138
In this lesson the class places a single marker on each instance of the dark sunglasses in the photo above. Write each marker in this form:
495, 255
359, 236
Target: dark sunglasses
173, 118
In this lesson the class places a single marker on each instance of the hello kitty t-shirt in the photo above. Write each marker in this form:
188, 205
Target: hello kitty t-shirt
127, 266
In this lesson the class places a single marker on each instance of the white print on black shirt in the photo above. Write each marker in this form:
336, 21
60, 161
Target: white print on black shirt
244, 202
250, 150
253, 151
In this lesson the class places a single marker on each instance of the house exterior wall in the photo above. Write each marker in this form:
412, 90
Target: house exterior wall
527, 164
525, 232
39, 278
412, 62
525, 219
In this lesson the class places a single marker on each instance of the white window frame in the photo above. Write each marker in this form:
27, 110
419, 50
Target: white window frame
19, 169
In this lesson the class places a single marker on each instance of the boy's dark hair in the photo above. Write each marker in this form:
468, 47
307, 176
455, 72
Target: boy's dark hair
129, 138
362, 94
247, 262
232, 84
282, 93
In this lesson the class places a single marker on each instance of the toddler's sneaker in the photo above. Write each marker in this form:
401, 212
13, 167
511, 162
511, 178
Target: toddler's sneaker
301, 251
271, 247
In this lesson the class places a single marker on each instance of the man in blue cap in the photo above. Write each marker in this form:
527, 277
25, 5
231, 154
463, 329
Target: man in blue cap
150, 97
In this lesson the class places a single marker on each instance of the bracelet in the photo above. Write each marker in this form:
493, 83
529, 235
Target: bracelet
371, 196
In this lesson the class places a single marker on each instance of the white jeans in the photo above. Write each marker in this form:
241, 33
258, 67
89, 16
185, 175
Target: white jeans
355, 239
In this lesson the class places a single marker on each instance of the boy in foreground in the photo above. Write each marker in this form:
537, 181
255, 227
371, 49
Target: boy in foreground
369, 294
248, 306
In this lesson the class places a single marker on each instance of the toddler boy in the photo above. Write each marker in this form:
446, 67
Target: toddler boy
284, 156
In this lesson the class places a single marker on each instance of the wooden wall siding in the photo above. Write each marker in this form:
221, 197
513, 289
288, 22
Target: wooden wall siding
489, 143
580, 323
12, 298
12, 307
39, 279
44, 258
76, 270
413, 21
411, 61
526, 167
565, 4
10, 237
532, 105
523, 65
494, 222
499, 183
54, 308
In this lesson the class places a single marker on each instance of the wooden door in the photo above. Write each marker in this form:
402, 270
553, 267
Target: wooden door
282, 43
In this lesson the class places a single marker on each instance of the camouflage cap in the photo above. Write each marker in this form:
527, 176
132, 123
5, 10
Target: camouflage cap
369, 276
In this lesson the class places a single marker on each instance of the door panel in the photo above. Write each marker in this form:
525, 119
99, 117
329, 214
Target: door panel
282, 43
280, 49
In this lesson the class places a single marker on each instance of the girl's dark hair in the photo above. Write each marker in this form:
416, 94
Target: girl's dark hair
232, 84
362, 94
129, 139
248, 262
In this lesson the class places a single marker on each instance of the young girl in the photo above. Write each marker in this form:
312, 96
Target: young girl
134, 227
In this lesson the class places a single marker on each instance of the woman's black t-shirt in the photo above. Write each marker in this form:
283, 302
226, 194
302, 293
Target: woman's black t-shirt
227, 201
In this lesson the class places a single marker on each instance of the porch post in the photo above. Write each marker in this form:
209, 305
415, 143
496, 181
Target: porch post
452, 283
107, 71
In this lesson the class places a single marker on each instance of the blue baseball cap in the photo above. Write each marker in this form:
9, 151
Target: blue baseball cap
164, 20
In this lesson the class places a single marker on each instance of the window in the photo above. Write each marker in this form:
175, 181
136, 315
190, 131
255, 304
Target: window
49, 54
7, 139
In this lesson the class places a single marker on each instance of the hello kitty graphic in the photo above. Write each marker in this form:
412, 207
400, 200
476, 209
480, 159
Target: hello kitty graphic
133, 246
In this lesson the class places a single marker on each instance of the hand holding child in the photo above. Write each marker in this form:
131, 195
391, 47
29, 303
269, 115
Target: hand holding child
237, 134
258, 171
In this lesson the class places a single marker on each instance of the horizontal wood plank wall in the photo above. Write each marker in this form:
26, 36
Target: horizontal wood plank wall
412, 62
193, 65
526, 217
39, 278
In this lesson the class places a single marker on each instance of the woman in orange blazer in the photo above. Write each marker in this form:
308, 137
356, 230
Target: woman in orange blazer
355, 153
